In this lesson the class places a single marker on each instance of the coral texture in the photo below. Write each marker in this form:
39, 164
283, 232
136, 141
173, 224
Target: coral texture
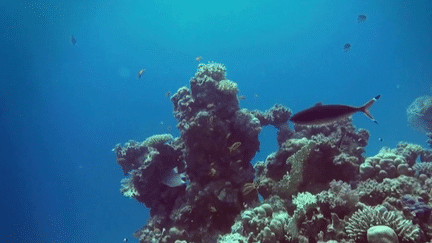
316, 187
381, 234
420, 114
362, 220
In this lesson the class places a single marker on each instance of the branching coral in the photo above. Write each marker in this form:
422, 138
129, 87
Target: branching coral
374, 193
292, 180
214, 70
227, 86
339, 195
304, 201
127, 188
423, 168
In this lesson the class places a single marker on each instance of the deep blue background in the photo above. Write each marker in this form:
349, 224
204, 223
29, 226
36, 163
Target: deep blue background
64, 107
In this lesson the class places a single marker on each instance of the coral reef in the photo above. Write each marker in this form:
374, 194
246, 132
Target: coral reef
317, 187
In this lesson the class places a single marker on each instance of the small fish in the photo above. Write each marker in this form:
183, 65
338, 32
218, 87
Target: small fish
380, 139
141, 73
174, 179
347, 47
198, 58
361, 18
324, 114
73, 40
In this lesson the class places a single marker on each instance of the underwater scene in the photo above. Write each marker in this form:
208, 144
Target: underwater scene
242, 121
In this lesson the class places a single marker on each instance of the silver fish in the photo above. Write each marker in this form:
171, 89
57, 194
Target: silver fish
323, 114
173, 178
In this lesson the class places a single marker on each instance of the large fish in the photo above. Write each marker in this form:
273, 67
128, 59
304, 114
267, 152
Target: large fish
324, 114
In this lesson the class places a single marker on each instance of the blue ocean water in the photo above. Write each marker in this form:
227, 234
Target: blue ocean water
65, 106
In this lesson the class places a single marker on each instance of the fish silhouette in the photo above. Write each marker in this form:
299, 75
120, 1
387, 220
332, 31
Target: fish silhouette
73, 40
323, 114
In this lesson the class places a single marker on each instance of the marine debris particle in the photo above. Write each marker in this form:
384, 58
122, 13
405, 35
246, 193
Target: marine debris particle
343, 193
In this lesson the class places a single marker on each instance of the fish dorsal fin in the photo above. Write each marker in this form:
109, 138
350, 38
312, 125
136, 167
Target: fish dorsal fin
318, 104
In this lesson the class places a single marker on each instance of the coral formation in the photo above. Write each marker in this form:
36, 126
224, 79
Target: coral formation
316, 187
260, 224
361, 221
420, 114
381, 234
390, 163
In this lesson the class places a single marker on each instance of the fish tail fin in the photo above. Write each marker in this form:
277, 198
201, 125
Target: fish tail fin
365, 108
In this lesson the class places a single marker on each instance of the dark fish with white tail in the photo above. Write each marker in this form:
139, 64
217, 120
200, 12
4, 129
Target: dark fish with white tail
173, 178
323, 114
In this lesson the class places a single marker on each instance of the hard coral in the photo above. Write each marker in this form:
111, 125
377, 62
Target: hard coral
381, 234
277, 116
216, 71
324, 166
374, 193
304, 201
390, 163
423, 168
227, 86
218, 142
284, 185
157, 139
362, 220
260, 224
419, 114
421, 211
340, 197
